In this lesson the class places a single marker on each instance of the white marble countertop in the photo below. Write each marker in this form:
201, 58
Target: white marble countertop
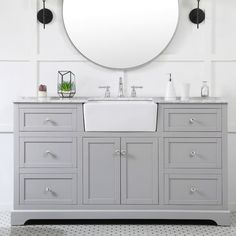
77, 100
51, 100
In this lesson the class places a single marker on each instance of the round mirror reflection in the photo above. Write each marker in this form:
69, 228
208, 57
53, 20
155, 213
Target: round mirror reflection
120, 34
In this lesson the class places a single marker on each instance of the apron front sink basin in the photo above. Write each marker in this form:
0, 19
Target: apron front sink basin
120, 116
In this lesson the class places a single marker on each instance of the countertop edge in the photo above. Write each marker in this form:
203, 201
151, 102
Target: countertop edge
82, 100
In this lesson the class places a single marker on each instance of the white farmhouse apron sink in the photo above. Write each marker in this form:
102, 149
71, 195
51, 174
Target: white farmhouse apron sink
120, 115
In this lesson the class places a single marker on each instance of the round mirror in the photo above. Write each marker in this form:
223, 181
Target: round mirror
120, 34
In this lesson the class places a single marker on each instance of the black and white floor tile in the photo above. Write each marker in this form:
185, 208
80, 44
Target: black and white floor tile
115, 229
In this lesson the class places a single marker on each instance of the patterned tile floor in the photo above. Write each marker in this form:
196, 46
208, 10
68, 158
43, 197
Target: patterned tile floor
115, 229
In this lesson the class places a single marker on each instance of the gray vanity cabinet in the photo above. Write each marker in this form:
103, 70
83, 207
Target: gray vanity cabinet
101, 170
126, 167
139, 171
62, 171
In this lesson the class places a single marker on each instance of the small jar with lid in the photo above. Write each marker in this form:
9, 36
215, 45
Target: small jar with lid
205, 90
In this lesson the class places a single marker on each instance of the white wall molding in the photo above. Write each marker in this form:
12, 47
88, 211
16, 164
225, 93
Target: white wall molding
232, 129
6, 129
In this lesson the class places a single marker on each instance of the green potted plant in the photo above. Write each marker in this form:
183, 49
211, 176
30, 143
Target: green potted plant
66, 87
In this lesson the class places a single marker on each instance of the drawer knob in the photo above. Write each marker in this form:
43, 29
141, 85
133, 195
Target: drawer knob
193, 189
193, 154
191, 121
47, 189
47, 120
49, 153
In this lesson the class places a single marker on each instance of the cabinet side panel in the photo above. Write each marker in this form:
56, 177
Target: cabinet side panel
225, 155
16, 156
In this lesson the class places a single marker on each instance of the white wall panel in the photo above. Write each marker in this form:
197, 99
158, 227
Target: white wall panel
15, 24
183, 43
225, 79
154, 77
53, 41
16, 79
88, 77
224, 28
6, 171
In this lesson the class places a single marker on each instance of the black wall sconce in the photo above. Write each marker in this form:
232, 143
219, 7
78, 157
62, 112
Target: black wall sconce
44, 15
197, 15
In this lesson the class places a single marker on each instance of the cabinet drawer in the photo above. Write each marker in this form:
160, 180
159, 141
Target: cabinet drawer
192, 189
47, 152
54, 189
192, 153
49, 119
192, 120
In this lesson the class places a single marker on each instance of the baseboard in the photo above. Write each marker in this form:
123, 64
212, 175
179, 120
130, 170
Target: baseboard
6, 207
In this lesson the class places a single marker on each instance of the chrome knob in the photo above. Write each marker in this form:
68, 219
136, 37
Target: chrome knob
117, 152
48, 152
123, 152
191, 121
192, 154
47, 120
193, 189
47, 189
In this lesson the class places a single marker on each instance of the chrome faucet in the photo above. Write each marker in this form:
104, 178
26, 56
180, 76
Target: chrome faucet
121, 88
133, 92
107, 92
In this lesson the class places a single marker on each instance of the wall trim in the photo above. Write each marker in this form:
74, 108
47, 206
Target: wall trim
6, 129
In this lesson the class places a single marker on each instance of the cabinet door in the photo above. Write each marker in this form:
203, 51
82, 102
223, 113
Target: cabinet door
139, 171
101, 170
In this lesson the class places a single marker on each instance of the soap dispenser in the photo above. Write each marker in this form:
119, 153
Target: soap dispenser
170, 90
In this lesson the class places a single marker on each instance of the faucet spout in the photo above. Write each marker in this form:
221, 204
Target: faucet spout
121, 88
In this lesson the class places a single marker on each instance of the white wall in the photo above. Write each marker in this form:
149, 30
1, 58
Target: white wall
30, 55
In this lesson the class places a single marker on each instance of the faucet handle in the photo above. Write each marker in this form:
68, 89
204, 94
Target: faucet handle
133, 92
107, 92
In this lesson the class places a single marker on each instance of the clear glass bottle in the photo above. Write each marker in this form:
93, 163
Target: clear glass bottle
205, 91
